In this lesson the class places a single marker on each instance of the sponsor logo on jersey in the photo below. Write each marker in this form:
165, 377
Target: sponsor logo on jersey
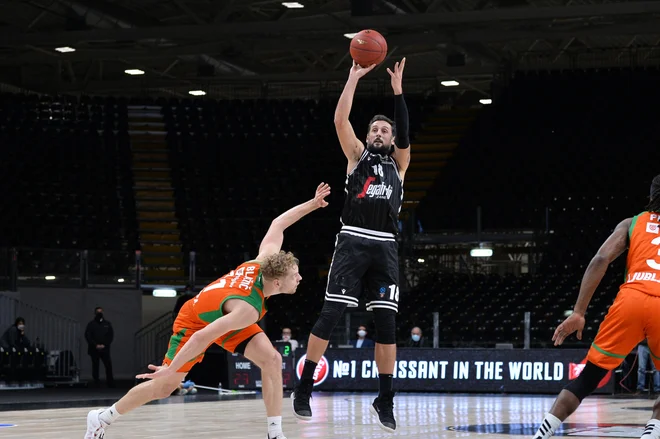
381, 190
320, 373
568, 429
653, 228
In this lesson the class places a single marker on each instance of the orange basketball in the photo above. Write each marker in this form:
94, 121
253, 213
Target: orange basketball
368, 47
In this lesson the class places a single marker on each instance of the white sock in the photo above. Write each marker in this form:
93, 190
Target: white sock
109, 415
652, 430
548, 426
274, 426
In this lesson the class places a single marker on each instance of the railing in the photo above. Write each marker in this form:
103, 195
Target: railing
152, 340
437, 335
47, 331
8, 311
25, 267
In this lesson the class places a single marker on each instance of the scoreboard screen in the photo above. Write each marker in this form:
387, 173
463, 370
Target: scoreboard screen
243, 374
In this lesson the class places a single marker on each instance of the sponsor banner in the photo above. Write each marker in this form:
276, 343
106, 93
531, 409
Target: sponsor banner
454, 370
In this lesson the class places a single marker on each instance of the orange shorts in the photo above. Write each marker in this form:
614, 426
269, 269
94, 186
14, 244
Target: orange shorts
632, 317
186, 325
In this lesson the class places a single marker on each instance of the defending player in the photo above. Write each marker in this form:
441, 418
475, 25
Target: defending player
632, 317
226, 312
366, 251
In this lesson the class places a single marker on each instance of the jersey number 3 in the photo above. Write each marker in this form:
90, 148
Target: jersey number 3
651, 262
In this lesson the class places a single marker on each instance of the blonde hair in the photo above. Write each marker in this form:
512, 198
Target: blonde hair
277, 265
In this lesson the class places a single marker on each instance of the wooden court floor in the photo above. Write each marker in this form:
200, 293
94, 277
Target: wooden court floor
343, 416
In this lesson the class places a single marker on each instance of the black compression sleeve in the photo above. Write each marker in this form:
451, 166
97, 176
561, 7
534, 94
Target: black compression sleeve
401, 120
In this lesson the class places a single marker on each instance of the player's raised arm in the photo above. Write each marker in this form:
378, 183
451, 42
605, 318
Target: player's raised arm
272, 242
238, 315
350, 144
402, 140
612, 248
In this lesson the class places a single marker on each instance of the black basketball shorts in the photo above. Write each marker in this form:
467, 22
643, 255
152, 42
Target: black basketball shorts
368, 264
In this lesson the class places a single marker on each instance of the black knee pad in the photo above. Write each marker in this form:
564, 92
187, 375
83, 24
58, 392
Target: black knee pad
587, 382
330, 315
385, 322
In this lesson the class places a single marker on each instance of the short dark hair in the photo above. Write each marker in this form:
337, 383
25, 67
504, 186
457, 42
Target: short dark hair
654, 198
19, 320
384, 118
97, 308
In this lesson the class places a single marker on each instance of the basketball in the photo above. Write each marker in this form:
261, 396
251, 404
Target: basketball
368, 47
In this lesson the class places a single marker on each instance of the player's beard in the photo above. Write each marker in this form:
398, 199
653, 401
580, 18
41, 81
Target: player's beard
381, 148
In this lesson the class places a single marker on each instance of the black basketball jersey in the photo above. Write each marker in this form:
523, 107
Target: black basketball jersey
374, 195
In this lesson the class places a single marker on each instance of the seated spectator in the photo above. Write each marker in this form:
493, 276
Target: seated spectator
416, 339
362, 341
286, 336
14, 336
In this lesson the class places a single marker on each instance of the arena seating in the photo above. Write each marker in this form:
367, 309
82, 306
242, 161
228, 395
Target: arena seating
255, 159
577, 148
238, 164
547, 138
483, 310
66, 184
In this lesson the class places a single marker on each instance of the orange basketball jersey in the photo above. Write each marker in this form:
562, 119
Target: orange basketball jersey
245, 282
643, 265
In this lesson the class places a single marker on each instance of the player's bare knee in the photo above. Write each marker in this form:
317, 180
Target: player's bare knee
272, 363
164, 388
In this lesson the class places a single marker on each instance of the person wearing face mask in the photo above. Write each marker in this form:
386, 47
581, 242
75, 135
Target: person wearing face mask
416, 340
362, 341
99, 335
286, 336
14, 336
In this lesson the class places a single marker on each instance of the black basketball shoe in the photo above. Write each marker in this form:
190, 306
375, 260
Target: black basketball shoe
383, 407
301, 396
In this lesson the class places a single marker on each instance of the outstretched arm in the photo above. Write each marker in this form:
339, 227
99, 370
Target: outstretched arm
402, 141
272, 242
238, 315
611, 249
350, 144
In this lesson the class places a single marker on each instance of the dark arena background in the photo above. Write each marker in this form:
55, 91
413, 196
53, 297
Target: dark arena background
146, 146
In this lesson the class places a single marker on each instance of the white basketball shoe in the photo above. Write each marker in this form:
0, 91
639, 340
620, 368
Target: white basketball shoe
95, 427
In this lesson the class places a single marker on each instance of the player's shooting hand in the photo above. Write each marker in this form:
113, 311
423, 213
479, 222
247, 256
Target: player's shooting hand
159, 372
574, 322
397, 76
321, 192
357, 71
